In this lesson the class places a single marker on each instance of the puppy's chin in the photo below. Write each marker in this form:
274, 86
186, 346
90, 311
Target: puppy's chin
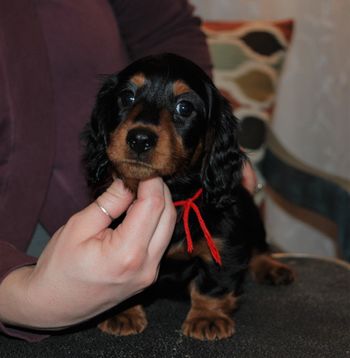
133, 172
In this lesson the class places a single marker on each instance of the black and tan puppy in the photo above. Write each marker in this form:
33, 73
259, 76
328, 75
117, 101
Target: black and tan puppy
163, 116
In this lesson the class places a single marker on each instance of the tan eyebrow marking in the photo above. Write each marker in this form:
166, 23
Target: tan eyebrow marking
180, 87
138, 79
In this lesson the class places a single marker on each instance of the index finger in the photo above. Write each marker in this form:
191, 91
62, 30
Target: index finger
93, 219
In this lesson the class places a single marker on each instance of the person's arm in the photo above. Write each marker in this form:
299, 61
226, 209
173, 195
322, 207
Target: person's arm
157, 26
12, 259
86, 259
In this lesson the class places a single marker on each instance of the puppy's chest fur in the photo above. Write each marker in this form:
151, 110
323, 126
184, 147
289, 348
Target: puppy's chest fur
214, 218
178, 248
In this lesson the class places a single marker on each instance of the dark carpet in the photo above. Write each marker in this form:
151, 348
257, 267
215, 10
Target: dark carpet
310, 318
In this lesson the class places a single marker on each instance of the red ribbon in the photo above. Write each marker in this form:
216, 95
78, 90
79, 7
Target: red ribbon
189, 204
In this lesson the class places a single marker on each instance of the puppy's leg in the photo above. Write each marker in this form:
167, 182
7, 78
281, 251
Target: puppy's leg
263, 267
210, 317
125, 323
266, 269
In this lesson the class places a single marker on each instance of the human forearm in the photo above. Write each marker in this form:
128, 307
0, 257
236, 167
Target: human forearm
12, 260
14, 307
13, 265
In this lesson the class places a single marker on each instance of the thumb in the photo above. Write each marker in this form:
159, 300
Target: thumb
110, 205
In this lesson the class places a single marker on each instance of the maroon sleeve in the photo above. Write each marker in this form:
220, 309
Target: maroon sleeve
156, 26
10, 259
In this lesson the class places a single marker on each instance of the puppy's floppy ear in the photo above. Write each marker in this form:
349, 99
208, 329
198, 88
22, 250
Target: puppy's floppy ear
222, 169
95, 137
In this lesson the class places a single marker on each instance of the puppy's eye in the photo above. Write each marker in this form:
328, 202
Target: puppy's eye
126, 98
184, 108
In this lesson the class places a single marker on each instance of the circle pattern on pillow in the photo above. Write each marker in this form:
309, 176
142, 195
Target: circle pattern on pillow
248, 57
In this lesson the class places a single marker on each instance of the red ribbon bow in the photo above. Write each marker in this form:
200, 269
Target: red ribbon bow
189, 204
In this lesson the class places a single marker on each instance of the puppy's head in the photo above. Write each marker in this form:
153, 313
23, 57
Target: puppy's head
161, 116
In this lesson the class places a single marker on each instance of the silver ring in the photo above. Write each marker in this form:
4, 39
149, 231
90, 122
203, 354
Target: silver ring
104, 210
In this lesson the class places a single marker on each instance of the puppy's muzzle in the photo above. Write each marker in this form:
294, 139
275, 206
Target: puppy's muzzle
141, 140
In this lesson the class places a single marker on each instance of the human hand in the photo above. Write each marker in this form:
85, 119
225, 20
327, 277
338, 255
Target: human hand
249, 179
87, 268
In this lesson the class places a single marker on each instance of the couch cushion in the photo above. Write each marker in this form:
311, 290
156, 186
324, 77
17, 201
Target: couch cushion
248, 57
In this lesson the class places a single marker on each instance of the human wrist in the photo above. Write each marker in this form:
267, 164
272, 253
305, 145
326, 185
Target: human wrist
13, 296
17, 307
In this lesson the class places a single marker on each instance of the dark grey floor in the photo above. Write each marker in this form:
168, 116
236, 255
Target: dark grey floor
310, 318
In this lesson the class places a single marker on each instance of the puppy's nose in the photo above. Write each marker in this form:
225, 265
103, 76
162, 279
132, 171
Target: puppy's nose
141, 140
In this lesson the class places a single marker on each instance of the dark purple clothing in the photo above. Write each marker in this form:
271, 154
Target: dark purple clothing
51, 56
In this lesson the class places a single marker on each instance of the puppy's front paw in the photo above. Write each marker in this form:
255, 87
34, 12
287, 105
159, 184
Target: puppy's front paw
209, 327
266, 269
210, 317
126, 323
279, 275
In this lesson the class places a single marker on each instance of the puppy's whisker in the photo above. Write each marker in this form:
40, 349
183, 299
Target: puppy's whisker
172, 155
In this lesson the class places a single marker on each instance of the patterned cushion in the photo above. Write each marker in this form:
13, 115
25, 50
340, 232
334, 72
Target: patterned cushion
248, 58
